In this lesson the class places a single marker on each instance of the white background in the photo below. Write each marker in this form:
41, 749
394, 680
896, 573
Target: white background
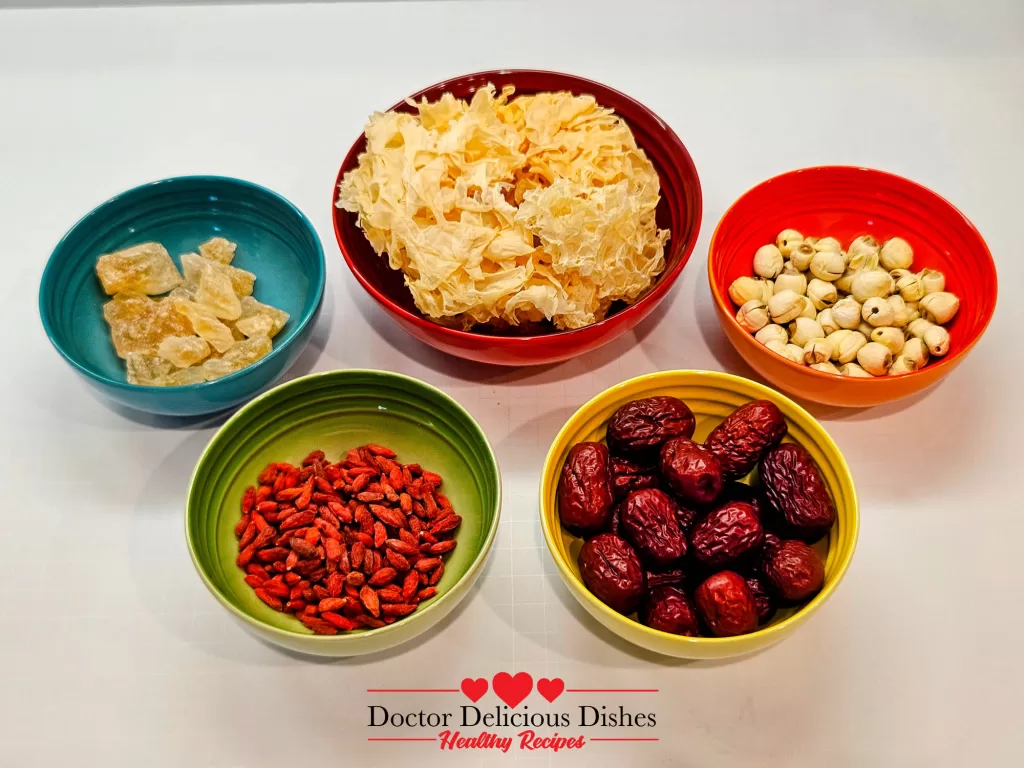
111, 651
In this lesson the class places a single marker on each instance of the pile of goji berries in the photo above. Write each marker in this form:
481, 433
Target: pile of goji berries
357, 543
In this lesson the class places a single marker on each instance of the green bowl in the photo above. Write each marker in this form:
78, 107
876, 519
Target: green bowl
333, 412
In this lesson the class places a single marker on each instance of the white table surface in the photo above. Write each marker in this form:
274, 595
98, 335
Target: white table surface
111, 651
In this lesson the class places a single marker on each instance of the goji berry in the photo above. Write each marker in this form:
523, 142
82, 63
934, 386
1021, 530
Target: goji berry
356, 543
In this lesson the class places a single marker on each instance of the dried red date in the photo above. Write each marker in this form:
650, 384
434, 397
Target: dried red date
796, 492
691, 471
627, 476
585, 488
726, 604
669, 609
671, 577
615, 519
638, 429
726, 534
737, 491
649, 521
763, 600
770, 542
686, 517
747, 433
794, 570
611, 570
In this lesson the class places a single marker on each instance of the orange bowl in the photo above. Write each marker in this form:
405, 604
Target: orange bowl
844, 202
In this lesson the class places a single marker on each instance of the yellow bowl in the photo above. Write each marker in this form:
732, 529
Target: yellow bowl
712, 396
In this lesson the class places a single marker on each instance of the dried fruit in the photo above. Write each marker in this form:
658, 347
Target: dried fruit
726, 604
611, 570
585, 488
628, 476
737, 491
649, 521
747, 433
686, 517
615, 519
638, 429
661, 578
763, 600
691, 470
794, 570
321, 554
655, 547
727, 534
668, 609
798, 498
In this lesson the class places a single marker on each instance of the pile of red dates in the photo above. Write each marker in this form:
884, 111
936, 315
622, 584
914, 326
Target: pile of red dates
672, 533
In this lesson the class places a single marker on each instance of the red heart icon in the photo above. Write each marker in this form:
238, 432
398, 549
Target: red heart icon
474, 689
512, 690
550, 689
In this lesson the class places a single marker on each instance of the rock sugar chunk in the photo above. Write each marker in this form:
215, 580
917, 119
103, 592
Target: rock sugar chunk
257, 325
253, 308
241, 355
147, 370
215, 292
195, 267
184, 351
218, 249
139, 323
184, 377
145, 268
206, 324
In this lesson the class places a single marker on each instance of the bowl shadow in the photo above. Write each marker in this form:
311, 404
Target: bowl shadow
711, 331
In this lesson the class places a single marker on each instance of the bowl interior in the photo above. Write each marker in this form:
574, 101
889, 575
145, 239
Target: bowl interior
711, 396
334, 412
275, 242
679, 209
845, 202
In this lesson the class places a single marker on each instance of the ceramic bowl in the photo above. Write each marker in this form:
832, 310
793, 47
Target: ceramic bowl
711, 396
275, 241
845, 202
334, 412
679, 211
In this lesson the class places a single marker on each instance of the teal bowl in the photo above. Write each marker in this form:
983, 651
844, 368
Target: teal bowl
275, 241
333, 412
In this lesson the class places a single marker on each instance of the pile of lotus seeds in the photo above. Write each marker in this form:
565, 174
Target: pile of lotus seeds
862, 308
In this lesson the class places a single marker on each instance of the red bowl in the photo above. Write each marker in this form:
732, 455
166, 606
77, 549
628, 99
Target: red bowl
845, 202
679, 211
